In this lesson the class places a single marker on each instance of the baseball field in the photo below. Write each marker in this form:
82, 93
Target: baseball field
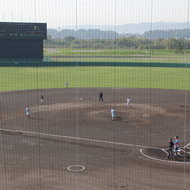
70, 142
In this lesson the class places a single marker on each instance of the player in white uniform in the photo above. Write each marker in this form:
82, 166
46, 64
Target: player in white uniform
128, 102
112, 113
41, 99
66, 84
27, 111
176, 146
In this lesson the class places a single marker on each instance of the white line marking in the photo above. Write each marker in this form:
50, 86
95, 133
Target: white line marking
186, 146
174, 162
78, 138
80, 168
100, 141
180, 155
184, 151
165, 152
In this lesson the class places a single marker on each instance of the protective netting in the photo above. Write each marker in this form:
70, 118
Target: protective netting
98, 109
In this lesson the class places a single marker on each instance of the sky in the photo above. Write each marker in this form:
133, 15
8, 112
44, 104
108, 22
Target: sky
59, 13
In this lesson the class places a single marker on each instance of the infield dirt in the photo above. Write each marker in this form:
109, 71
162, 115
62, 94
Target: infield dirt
66, 131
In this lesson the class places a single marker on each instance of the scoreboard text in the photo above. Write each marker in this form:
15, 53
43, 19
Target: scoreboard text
10, 30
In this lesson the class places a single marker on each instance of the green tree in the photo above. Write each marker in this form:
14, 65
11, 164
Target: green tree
179, 48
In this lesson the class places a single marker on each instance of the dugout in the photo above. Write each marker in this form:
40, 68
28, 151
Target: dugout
22, 41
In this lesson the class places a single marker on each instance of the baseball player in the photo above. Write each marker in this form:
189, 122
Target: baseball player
128, 103
41, 99
27, 111
66, 84
176, 146
112, 113
101, 97
170, 148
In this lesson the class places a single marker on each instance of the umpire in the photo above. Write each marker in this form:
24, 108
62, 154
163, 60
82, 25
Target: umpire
101, 97
170, 148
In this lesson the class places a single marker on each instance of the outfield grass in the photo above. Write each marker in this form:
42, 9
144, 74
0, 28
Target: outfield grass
21, 78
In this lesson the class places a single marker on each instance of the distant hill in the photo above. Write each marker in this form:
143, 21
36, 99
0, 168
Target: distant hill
133, 28
143, 27
146, 30
176, 33
83, 34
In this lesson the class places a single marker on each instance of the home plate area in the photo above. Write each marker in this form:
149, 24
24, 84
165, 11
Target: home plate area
161, 154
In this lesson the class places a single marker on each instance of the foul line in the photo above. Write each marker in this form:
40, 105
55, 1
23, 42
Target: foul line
187, 146
78, 138
99, 141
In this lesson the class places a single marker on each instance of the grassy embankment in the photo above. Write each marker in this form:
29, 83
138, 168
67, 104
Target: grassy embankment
88, 55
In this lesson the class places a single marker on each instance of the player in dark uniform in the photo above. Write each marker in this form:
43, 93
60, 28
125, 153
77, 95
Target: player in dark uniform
170, 148
101, 97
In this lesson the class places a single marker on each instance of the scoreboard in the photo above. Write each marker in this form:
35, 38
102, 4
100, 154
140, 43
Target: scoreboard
22, 41
16, 30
